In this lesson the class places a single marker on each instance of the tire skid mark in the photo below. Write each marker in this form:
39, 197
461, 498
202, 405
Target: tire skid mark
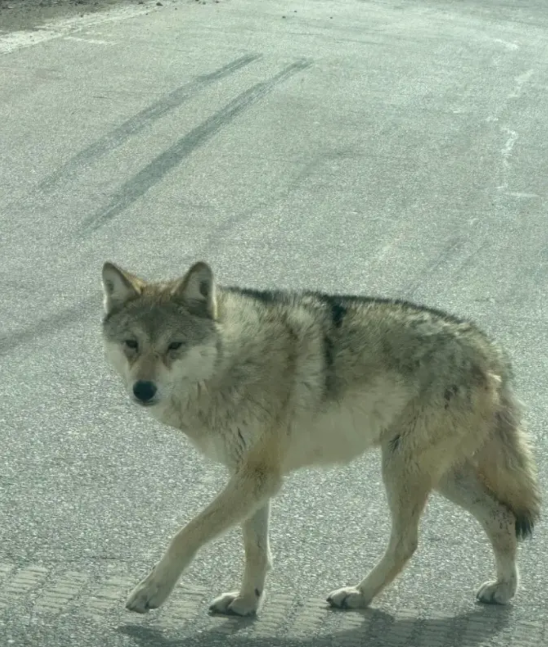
154, 172
142, 120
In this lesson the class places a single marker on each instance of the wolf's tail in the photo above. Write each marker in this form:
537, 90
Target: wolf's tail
507, 467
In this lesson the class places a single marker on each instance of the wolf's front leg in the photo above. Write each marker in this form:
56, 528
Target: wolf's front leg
247, 491
258, 561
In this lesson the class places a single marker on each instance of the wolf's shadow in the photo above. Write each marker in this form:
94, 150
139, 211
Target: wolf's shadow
377, 629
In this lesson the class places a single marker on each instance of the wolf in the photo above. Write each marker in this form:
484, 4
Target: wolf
267, 382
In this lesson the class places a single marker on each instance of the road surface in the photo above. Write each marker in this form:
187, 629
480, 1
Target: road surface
382, 147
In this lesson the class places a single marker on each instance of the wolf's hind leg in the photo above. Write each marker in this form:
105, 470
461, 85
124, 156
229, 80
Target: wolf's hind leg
463, 487
408, 485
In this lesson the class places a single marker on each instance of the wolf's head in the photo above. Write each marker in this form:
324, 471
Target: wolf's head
160, 337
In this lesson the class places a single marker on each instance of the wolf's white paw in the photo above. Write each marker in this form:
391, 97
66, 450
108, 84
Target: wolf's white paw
348, 598
235, 604
496, 592
150, 593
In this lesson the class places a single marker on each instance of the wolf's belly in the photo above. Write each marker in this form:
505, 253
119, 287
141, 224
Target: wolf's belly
345, 430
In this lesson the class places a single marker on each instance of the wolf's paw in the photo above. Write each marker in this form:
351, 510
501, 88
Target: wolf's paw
151, 593
348, 598
234, 604
496, 592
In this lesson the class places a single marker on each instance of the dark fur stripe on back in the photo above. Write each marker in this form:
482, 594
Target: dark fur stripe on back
339, 303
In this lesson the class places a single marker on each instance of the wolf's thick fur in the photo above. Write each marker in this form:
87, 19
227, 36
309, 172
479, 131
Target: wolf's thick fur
269, 382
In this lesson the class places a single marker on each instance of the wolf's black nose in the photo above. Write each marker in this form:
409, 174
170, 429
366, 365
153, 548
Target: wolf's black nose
144, 391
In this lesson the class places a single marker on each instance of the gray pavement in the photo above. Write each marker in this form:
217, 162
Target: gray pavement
385, 147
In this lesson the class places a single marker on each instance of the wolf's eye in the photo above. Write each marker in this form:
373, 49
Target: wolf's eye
175, 345
131, 343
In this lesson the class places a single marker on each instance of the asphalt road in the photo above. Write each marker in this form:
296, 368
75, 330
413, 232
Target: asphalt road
387, 147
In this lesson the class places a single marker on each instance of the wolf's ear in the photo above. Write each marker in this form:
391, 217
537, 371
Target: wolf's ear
118, 286
197, 290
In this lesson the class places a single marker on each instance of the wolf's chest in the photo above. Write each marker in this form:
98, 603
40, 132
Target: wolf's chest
224, 445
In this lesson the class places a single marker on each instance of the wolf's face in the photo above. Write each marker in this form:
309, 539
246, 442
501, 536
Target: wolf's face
160, 337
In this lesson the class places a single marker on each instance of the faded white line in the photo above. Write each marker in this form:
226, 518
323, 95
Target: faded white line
506, 152
512, 138
508, 44
93, 41
520, 80
517, 91
16, 40
521, 194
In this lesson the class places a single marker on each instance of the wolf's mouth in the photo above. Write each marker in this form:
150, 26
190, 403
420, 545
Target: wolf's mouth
148, 403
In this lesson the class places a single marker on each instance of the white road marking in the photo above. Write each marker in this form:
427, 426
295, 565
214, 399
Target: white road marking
93, 41
15, 40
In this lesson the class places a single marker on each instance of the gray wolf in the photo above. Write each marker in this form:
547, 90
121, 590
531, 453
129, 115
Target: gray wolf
270, 382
